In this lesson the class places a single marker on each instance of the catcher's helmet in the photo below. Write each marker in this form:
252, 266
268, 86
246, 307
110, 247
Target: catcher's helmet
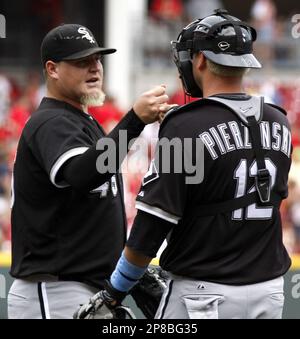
222, 38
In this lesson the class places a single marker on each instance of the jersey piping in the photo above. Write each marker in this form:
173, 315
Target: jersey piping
60, 161
157, 212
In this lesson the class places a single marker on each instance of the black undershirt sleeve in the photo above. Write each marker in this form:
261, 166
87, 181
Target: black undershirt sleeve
81, 172
148, 233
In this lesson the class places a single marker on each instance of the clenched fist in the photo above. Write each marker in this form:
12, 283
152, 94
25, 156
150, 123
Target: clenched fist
151, 104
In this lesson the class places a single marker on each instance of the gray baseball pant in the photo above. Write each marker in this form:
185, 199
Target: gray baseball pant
194, 299
46, 299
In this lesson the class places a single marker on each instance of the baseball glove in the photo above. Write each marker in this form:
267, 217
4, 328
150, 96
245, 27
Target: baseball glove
99, 307
148, 292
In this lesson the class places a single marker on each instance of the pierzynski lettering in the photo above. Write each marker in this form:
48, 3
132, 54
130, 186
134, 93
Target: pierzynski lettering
231, 136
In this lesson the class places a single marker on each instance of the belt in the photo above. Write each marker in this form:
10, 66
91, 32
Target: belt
42, 278
54, 278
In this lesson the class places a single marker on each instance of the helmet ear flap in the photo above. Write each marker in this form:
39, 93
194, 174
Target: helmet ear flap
253, 33
185, 68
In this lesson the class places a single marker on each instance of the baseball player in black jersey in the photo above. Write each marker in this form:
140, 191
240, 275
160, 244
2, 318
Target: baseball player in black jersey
68, 220
224, 254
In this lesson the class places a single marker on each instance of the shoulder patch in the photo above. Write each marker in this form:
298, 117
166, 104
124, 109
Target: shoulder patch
243, 109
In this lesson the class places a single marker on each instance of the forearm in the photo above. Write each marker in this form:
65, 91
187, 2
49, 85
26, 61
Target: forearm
138, 253
136, 258
134, 261
147, 234
126, 273
81, 172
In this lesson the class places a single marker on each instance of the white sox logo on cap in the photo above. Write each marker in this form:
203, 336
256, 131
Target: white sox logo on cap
86, 35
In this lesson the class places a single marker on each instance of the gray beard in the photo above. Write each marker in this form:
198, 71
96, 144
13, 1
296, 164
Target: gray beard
95, 99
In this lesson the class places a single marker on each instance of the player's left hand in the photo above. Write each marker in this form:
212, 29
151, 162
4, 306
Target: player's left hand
96, 308
103, 305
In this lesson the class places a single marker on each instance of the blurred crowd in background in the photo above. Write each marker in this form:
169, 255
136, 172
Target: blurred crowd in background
276, 48
275, 44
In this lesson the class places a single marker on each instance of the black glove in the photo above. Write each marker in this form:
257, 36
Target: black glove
105, 304
148, 292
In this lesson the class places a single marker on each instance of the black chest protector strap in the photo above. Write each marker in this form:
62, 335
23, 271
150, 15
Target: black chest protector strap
263, 177
250, 116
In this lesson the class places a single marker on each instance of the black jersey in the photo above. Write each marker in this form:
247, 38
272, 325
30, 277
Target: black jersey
56, 229
243, 246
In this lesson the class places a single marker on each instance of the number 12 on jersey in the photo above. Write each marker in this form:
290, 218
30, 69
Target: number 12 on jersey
241, 174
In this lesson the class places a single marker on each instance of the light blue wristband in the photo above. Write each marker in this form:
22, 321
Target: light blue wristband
126, 275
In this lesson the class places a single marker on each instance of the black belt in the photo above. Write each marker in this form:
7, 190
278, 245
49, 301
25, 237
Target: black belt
54, 278
42, 278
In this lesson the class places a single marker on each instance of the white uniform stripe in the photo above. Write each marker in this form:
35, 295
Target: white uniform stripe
12, 201
163, 301
61, 160
45, 300
157, 212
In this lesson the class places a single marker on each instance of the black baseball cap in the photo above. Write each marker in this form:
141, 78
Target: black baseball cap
70, 42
